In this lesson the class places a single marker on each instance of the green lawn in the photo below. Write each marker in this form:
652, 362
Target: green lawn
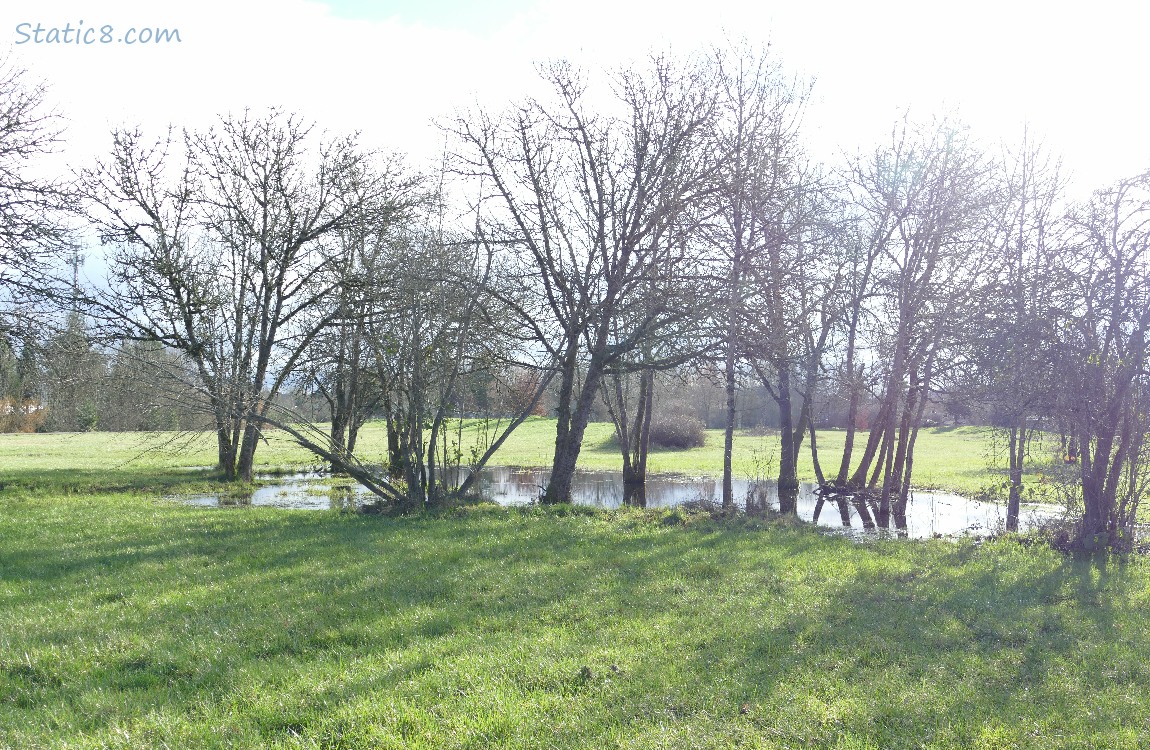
958, 459
129, 622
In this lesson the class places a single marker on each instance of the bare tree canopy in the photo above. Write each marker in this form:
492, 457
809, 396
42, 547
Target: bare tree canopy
33, 235
590, 205
225, 252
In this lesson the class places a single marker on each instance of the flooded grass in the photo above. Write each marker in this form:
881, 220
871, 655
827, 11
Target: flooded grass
929, 514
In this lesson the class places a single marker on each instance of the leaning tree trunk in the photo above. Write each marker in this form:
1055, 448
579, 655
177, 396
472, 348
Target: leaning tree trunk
904, 458
855, 387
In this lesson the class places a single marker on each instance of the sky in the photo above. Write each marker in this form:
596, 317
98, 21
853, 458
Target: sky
1076, 73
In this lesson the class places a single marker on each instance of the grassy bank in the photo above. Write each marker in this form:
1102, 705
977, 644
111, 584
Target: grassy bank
958, 459
128, 622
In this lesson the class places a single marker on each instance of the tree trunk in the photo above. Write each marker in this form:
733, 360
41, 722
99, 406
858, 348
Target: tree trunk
853, 405
247, 457
1014, 499
645, 437
563, 468
788, 482
569, 433
353, 435
226, 451
635, 457
882, 473
729, 427
338, 434
396, 462
917, 400
806, 417
875, 439
1093, 518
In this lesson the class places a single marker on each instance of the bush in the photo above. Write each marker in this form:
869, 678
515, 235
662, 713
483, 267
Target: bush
21, 416
678, 431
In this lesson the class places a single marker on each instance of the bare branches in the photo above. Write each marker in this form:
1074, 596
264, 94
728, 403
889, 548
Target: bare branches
33, 231
224, 250
590, 208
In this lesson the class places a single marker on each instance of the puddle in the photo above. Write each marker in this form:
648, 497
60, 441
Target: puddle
928, 513
310, 490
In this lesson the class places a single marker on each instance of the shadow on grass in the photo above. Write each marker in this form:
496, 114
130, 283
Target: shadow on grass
628, 621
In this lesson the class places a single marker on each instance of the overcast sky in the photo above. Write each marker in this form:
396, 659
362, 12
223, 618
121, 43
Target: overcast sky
1078, 73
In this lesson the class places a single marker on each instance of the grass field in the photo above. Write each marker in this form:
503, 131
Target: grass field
956, 459
127, 622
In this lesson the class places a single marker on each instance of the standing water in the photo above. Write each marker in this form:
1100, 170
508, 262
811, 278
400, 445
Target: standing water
928, 513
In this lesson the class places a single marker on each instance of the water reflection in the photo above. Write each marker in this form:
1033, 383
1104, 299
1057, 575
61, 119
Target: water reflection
928, 513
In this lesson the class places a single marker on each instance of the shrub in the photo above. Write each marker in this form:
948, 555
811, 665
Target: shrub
21, 416
678, 431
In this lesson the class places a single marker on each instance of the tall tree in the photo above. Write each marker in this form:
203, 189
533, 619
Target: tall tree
224, 254
588, 206
1103, 367
928, 201
1014, 336
796, 300
756, 136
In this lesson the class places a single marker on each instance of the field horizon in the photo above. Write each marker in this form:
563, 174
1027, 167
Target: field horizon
955, 459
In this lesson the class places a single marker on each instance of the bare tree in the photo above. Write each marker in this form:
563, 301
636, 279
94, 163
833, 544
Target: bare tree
1014, 338
757, 138
928, 199
586, 205
35, 242
225, 254
1103, 367
337, 365
677, 281
796, 302
31, 230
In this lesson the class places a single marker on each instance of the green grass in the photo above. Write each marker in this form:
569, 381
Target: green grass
957, 459
128, 622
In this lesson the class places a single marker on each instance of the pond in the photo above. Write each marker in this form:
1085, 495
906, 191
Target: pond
928, 513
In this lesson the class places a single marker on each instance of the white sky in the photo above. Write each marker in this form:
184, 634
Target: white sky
1078, 72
